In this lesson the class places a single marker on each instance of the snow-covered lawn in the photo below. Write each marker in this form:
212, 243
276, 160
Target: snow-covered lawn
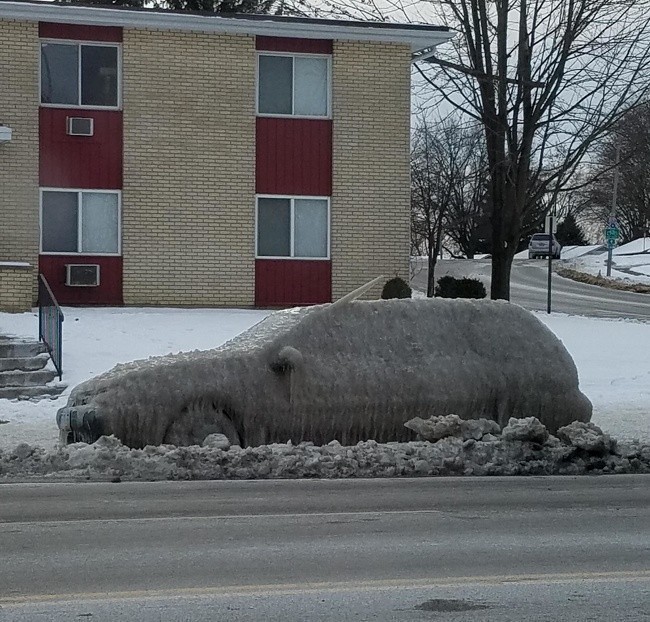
630, 262
613, 359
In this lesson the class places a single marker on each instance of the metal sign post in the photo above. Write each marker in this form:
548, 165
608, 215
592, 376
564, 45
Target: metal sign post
550, 228
612, 233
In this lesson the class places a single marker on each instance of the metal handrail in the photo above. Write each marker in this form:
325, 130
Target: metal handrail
50, 323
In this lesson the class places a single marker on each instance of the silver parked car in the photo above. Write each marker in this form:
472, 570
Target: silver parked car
538, 246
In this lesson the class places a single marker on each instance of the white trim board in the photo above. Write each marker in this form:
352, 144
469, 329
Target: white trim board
419, 37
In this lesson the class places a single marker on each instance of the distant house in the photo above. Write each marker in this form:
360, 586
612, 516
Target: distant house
163, 158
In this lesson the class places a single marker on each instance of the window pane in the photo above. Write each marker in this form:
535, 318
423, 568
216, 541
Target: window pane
310, 228
98, 75
59, 73
311, 86
275, 84
59, 222
99, 222
274, 227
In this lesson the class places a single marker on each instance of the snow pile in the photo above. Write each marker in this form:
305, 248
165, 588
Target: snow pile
517, 450
345, 372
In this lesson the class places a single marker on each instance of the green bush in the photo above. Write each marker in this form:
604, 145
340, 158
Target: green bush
449, 287
396, 288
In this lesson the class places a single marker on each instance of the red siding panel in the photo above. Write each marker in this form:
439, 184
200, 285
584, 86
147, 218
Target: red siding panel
287, 44
294, 156
80, 161
292, 282
49, 30
109, 291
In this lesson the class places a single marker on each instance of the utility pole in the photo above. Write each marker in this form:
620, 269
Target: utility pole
550, 228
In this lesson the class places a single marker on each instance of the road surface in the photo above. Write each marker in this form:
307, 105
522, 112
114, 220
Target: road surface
529, 289
453, 549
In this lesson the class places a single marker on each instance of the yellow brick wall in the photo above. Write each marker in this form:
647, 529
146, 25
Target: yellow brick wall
16, 288
19, 50
189, 168
371, 171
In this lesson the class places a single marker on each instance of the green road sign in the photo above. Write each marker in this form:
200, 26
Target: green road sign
612, 233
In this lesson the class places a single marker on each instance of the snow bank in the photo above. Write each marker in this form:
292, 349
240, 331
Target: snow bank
635, 246
348, 372
517, 450
572, 252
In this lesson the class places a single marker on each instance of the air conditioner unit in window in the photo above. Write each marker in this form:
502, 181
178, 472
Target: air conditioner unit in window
82, 275
80, 126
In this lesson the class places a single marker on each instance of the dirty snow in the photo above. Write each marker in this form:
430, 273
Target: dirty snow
523, 447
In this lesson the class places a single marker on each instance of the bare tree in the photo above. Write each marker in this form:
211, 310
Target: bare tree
429, 196
467, 218
443, 175
631, 138
546, 78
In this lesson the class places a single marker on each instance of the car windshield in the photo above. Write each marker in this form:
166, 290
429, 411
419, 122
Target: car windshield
541, 236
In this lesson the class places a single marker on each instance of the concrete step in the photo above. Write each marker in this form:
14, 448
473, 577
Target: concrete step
30, 363
12, 348
31, 393
26, 378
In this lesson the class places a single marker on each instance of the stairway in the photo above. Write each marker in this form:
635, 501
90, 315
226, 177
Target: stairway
23, 373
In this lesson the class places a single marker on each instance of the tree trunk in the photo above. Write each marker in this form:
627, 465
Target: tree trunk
431, 274
501, 268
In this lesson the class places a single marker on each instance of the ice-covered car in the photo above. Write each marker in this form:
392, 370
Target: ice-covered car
539, 246
349, 372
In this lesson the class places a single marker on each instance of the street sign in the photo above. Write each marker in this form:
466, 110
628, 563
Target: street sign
611, 243
550, 225
612, 233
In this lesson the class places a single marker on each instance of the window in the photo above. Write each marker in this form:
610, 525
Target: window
80, 222
293, 85
296, 228
80, 74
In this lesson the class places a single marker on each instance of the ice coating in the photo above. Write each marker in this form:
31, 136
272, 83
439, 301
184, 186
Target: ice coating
347, 372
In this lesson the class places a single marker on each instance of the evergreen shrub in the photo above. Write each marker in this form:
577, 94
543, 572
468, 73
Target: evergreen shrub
450, 287
396, 288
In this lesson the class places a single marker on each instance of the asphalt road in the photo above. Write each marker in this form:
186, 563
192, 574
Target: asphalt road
458, 549
529, 289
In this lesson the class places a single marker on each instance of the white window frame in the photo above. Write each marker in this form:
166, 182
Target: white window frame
80, 192
292, 199
293, 82
79, 44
